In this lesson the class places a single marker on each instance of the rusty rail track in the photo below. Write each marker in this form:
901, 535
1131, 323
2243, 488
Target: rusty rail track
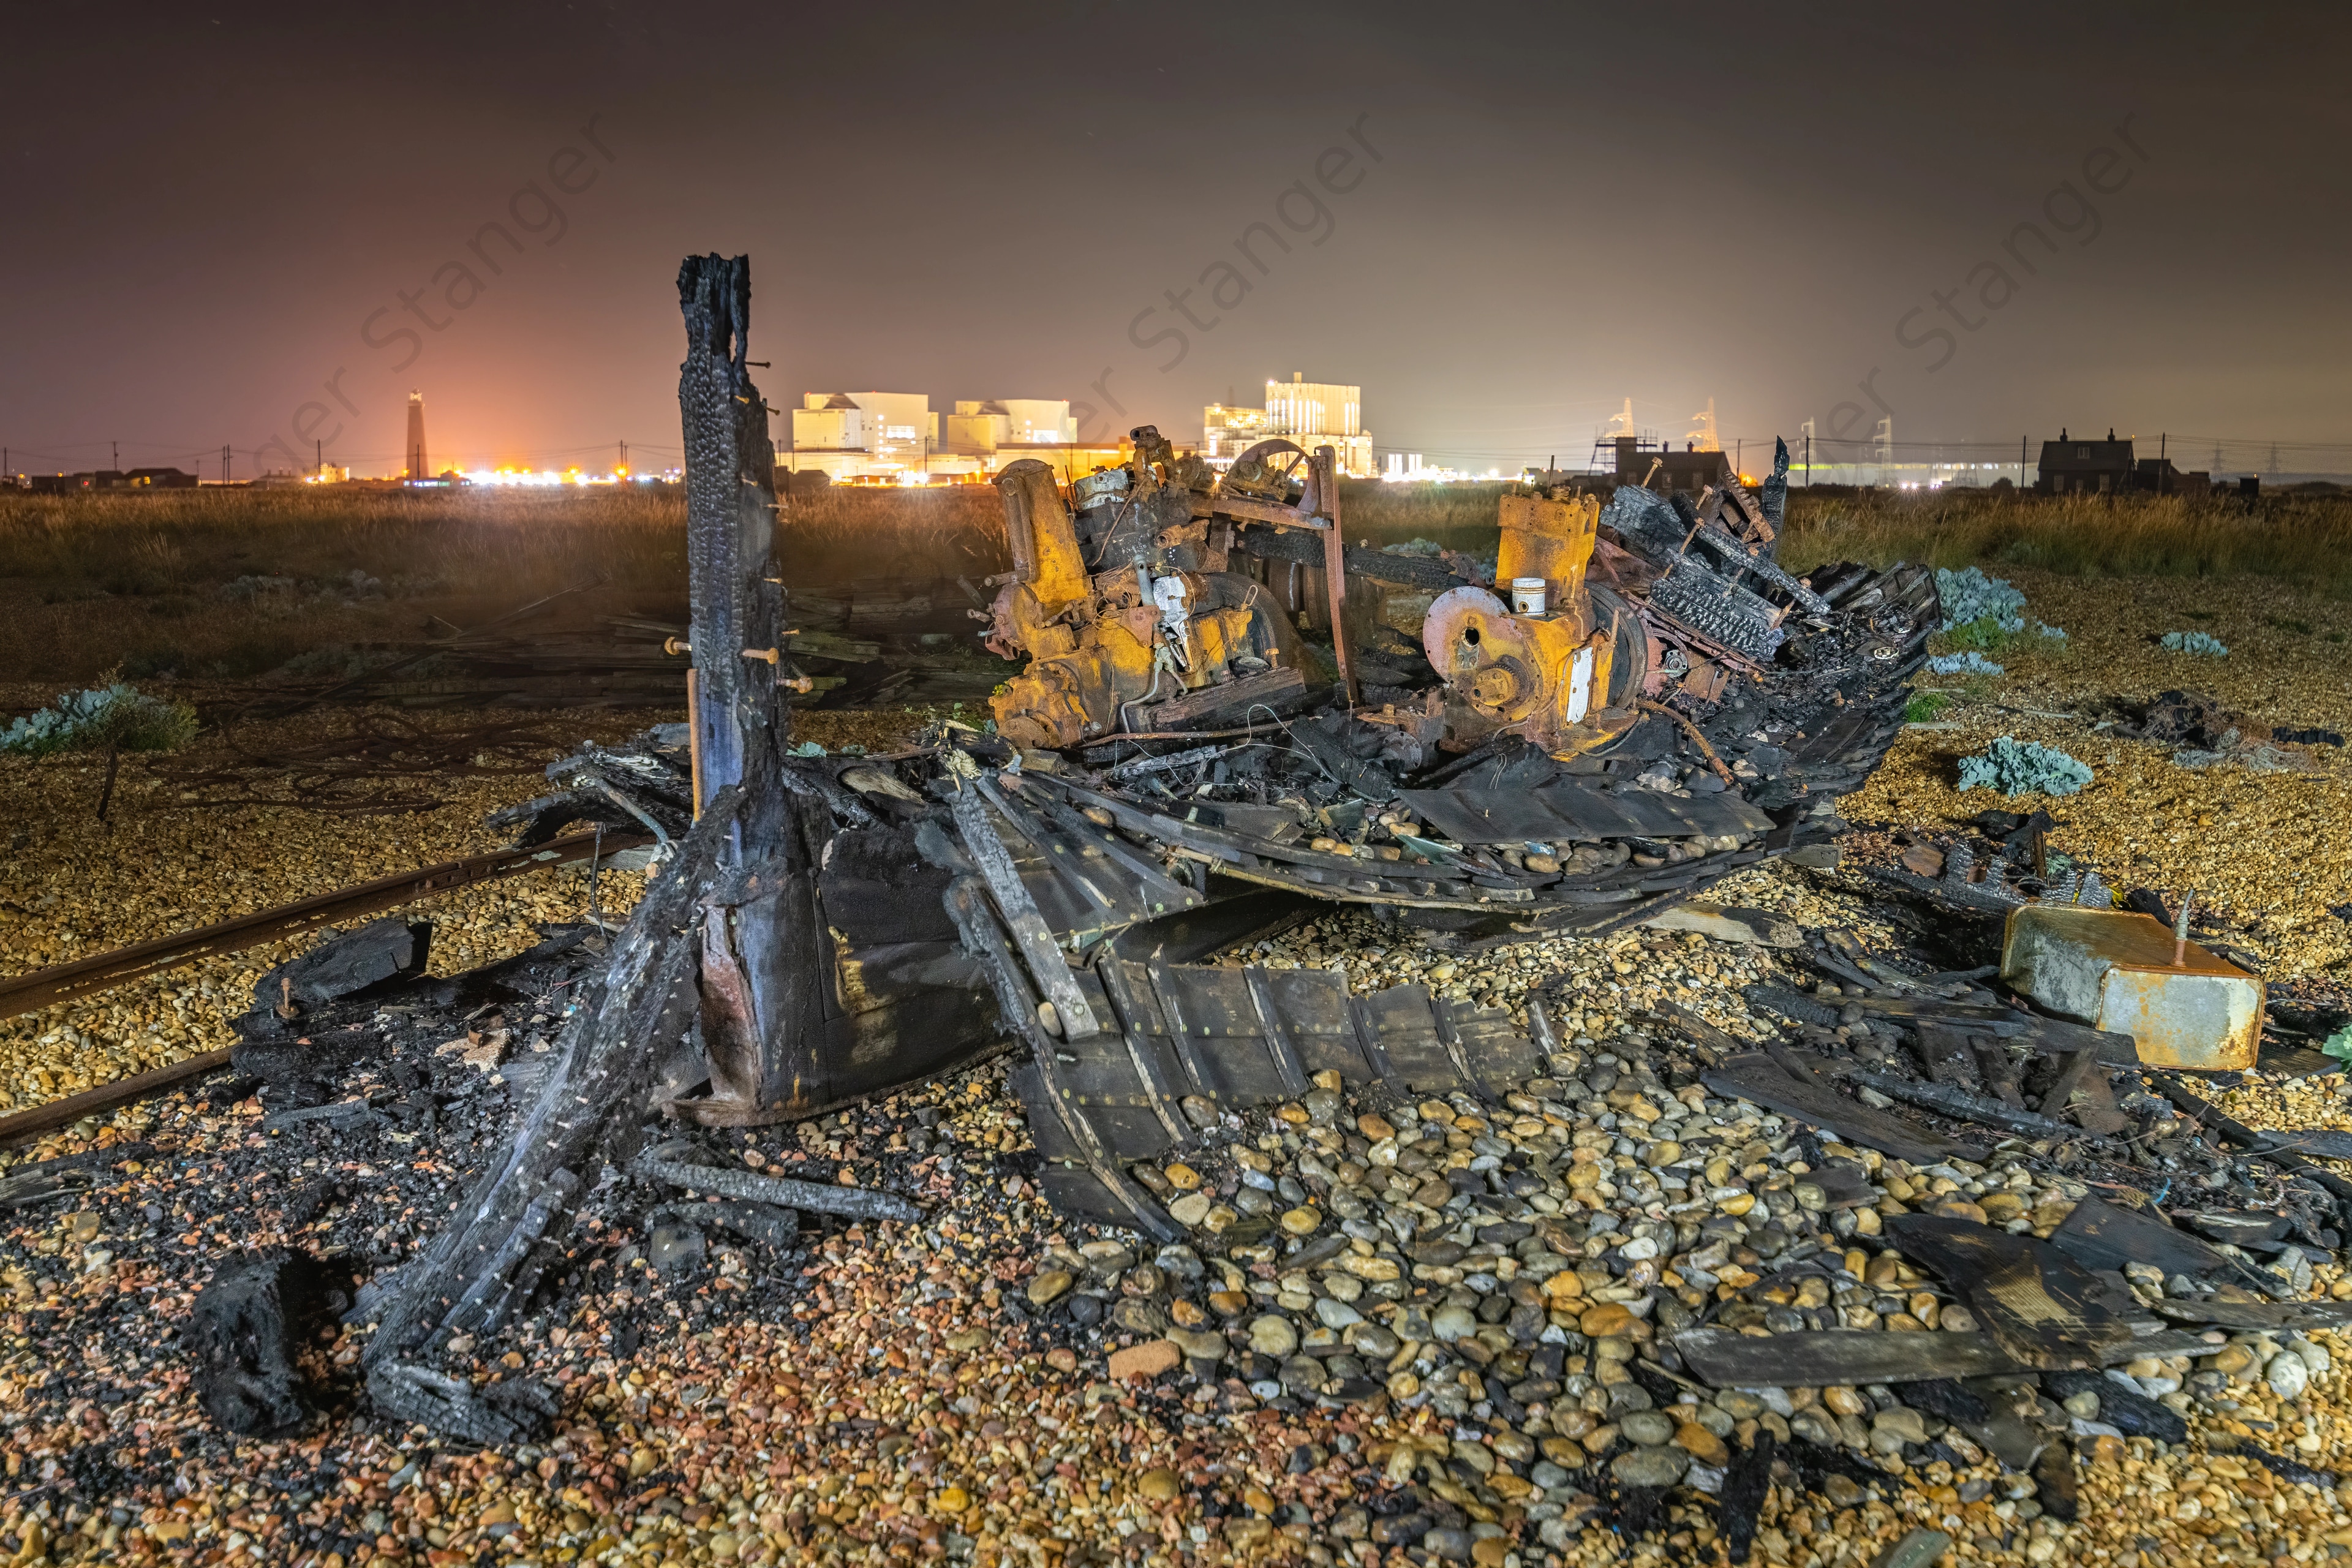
99, 971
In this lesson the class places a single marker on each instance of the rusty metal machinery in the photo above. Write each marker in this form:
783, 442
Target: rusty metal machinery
1122, 602
1563, 663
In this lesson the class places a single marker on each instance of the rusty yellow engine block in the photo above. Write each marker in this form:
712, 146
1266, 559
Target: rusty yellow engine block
1562, 664
1100, 643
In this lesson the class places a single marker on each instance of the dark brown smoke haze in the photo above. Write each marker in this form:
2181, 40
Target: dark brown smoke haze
1501, 220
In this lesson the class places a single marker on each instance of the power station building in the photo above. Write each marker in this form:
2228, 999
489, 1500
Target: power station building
1309, 413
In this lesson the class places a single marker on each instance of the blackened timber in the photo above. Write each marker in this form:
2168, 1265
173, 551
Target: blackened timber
1040, 1080
1757, 1078
601, 1072
2245, 1137
2042, 1306
1725, 1358
812, 1197
730, 515
1944, 1052
1966, 1106
1045, 963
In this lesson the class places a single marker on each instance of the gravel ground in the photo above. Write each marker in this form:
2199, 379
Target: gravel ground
1460, 1365
2270, 852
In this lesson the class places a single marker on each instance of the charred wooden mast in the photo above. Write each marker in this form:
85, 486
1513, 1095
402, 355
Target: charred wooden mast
732, 905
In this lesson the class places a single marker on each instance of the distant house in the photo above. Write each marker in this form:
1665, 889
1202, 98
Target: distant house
2069, 466
1665, 471
2158, 476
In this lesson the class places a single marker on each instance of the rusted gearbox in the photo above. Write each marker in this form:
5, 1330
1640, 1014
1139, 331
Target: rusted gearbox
1140, 609
1562, 664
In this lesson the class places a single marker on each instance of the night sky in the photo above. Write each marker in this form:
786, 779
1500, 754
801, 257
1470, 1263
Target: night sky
1500, 220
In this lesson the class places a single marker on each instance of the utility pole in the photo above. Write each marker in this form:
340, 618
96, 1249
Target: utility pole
2020, 461
224, 465
117, 447
318, 451
625, 458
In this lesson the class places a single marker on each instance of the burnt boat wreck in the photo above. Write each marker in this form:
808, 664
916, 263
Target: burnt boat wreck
1641, 702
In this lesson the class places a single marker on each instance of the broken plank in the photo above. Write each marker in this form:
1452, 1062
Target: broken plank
815, 1197
1943, 1053
1959, 1103
1757, 1078
2000, 1069
2101, 1235
2257, 1315
2324, 1142
2127, 1409
1699, 1031
2245, 1137
2072, 1068
2295, 1061
1936, 1008
2042, 1306
2094, 1104
1725, 1358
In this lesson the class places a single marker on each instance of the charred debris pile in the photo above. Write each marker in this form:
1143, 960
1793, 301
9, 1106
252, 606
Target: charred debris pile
1909, 1215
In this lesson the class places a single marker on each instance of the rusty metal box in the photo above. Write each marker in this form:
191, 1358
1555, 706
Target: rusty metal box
2115, 971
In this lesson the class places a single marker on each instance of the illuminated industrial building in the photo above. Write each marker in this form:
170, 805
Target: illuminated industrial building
1311, 413
893, 438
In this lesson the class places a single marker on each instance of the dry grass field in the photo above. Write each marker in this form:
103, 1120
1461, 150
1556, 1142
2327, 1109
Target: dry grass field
226, 584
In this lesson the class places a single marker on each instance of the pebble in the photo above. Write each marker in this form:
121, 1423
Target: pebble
1650, 1467
1148, 1359
1272, 1336
1899, 1424
1702, 1444
1648, 1426
1453, 1323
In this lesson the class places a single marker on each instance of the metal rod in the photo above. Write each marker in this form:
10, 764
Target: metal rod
815, 1197
64, 1112
694, 740
1335, 572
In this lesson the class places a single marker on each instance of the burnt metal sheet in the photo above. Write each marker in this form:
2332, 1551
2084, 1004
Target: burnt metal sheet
1313, 1004
1498, 1051
1175, 1030
1578, 813
1213, 1024
1402, 1022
